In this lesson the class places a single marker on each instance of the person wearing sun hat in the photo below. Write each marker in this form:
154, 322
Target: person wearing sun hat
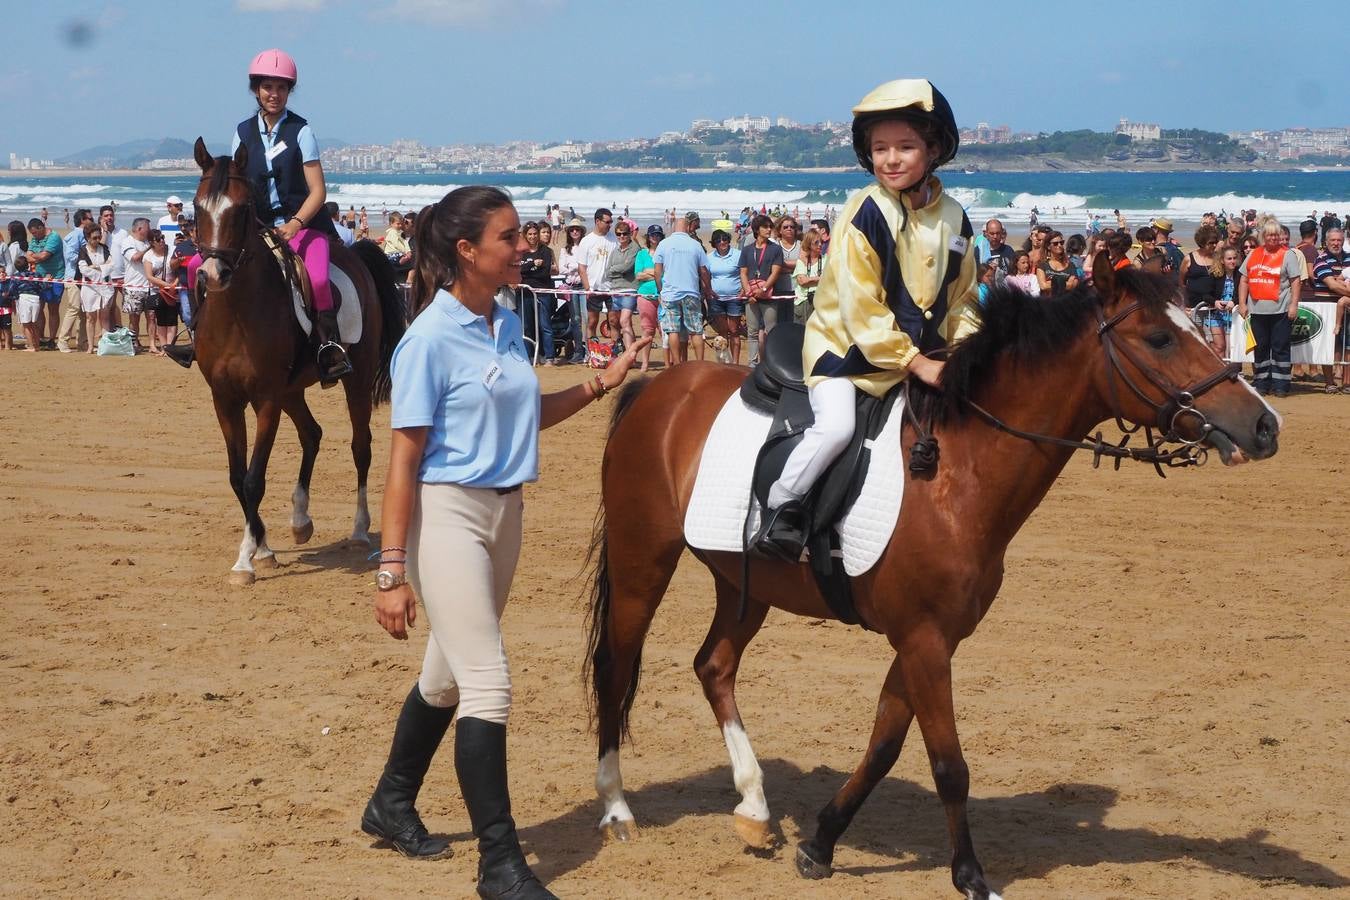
900, 285
168, 223
569, 268
1174, 255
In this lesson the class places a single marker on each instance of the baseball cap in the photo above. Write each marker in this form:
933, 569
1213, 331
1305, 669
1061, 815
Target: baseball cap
655, 231
174, 200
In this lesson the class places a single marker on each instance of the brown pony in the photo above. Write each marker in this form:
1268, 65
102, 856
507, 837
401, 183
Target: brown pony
252, 351
1051, 369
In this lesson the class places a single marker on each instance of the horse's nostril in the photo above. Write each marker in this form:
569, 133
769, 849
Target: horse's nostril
1266, 430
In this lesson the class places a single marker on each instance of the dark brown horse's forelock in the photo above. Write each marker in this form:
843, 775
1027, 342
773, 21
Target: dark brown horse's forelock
220, 177
1029, 329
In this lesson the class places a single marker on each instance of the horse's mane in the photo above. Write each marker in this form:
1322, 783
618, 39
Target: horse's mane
1028, 330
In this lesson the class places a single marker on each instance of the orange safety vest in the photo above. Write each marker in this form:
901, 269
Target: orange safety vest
1263, 274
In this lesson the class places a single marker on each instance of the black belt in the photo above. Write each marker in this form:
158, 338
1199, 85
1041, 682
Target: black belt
507, 490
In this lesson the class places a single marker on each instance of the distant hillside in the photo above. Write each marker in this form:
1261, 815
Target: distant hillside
1176, 147
129, 155
133, 153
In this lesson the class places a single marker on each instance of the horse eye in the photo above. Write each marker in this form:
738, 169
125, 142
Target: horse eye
1159, 340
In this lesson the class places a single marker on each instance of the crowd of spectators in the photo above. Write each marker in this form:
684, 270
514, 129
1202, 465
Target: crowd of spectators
68, 292
604, 288
585, 294
1211, 278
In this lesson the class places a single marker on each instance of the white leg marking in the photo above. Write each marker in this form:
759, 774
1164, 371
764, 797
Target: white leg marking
247, 547
361, 525
609, 786
746, 774
300, 507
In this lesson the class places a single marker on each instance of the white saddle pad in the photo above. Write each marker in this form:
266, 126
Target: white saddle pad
349, 318
716, 514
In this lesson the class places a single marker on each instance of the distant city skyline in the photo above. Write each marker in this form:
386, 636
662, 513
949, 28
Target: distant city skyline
459, 71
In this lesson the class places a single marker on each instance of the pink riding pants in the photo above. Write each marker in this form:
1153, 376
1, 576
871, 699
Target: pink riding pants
311, 246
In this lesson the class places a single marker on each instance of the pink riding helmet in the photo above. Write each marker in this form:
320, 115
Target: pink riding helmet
274, 64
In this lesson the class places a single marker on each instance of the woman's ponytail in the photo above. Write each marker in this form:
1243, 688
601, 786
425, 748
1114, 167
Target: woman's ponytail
460, 215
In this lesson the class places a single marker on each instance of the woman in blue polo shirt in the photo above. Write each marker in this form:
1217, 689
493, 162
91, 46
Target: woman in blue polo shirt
466, 418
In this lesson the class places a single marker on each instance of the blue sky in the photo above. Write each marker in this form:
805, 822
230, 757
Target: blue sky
450, 71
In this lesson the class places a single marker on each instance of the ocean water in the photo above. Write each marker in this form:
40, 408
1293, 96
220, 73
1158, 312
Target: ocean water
1182, 196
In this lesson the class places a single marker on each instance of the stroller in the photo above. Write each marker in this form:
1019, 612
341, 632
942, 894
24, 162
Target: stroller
559, 318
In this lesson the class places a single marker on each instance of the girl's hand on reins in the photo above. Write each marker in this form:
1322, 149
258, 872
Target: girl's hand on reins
396, 611
926, 370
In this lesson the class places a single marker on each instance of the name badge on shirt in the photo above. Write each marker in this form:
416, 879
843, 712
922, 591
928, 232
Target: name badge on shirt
494, 371
958, 244
275, 149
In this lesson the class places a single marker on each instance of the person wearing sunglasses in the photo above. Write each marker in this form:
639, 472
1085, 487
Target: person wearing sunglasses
1057, 275
621, 277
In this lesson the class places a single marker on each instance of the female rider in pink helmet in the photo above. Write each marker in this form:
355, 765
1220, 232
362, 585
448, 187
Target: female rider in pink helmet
283, 164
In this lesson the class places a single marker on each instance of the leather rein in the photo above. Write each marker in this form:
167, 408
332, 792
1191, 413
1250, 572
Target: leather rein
1178, 407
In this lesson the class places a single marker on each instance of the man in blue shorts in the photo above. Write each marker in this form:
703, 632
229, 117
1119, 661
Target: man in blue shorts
681, 274
45, 258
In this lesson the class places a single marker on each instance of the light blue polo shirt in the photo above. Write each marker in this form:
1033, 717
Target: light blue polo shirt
477, 392
309, 152
726, 273
680, 257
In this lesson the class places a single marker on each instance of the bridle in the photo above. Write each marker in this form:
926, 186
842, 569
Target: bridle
1178, 407
233, 256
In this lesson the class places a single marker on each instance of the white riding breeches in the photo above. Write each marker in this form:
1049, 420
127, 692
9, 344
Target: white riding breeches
463, 545
834, 402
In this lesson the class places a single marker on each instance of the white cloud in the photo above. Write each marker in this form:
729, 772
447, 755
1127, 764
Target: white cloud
278, 5
461, 12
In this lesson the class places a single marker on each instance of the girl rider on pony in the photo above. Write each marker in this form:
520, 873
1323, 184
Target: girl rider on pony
287, 177
899, 283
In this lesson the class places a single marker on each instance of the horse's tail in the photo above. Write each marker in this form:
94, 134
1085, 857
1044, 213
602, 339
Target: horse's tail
598, 654
392, 320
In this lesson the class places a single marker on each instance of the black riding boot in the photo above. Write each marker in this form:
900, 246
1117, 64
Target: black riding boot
783, 533
390, 814
480, 763
331, 356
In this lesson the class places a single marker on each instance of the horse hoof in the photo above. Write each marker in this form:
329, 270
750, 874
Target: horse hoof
265, 562
303, 533
620, 830
809, 868
757, 835
357, 543
242, 579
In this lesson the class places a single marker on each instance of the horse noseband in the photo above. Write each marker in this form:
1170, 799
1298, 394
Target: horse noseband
1180, 403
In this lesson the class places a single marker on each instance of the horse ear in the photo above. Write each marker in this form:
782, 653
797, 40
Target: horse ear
201, 154
1104, 275
241, 157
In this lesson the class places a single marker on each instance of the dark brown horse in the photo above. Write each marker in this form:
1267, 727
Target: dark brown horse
1050, 368
253, 352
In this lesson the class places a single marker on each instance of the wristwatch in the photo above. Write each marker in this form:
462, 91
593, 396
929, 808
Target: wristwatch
387, 581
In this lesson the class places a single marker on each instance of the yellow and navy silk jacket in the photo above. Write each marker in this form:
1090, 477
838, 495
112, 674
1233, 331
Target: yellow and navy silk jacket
898, 282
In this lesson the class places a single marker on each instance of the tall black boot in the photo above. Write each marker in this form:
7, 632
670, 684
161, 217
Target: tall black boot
480, 762
390, 814
330, 356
